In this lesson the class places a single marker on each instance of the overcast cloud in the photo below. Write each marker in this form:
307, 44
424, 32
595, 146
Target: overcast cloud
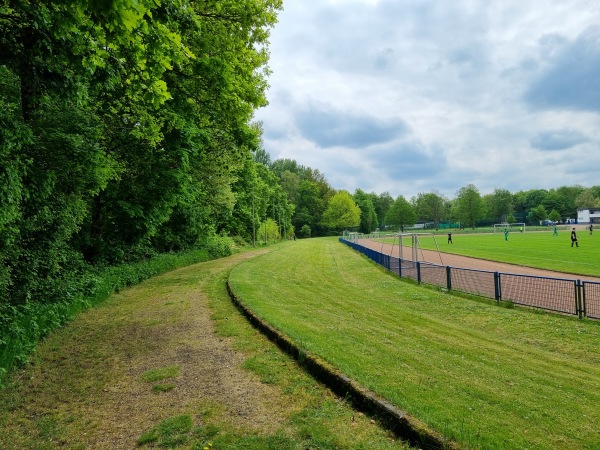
410, 96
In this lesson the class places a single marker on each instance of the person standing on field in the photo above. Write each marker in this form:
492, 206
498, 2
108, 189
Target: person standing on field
555, 232
574, 238
449, 238
506, 234
591, 228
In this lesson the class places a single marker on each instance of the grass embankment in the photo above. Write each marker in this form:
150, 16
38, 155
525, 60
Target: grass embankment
533, 249
22, 326
171, 363
485, 376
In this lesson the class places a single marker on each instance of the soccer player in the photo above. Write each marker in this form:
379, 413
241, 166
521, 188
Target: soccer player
574, 238
449, 238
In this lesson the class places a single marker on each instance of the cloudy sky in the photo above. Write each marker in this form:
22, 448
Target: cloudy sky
410, 96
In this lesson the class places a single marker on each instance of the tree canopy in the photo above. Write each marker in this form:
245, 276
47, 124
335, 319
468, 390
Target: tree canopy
342, 212
401, 214
125, 127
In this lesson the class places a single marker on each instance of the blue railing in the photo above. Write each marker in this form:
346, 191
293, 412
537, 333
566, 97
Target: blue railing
568, 296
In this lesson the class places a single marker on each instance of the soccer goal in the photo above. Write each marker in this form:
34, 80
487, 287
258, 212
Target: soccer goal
518, 226
410, 242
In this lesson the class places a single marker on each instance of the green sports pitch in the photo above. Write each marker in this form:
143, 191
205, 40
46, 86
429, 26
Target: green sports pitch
539, 249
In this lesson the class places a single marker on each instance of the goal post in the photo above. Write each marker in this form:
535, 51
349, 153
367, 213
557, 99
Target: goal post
520, 226
413, 245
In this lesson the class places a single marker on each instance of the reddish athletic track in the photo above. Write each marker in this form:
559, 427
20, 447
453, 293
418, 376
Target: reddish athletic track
467, 262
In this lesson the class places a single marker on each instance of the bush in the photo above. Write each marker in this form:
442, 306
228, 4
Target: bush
219, 246
239, 241
305, 231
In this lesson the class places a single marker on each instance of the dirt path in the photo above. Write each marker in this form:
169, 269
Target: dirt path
85, 387
177, 331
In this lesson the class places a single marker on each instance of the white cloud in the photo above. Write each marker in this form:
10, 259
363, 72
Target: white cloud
424, 95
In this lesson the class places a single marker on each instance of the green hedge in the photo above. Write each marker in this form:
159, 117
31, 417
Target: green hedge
22, 326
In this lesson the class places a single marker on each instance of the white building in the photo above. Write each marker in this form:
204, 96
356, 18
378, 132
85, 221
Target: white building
590, 215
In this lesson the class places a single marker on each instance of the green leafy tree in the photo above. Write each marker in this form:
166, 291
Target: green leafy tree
122, 129
382, 204
305, 231
309, 206
520, 206
535, 197
501, 204
539, 213
289, 183
554, 216
469, 205
282, 165
431, 207
401, 214
569, 196
588, 198
342, 212
262, 156
368, 216
554, 201
269, 231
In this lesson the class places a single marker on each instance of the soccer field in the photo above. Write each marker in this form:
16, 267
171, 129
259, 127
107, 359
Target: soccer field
534, 249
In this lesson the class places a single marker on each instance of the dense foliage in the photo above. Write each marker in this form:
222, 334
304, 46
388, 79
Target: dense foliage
126, 131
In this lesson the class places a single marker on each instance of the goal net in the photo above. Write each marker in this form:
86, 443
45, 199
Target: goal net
519, 226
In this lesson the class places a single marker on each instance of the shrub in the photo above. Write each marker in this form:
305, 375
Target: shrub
219, 246
305, 231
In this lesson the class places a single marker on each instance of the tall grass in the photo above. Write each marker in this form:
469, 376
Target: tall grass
485, 376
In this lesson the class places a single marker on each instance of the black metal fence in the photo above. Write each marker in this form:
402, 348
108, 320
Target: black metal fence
568, 296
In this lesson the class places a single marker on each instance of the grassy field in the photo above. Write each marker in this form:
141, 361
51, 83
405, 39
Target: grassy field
533, 249
171, 363
485, 376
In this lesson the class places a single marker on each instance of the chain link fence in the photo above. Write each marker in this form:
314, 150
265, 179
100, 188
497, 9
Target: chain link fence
567, 296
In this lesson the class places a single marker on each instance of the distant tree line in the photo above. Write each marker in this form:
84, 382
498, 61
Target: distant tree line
321, 210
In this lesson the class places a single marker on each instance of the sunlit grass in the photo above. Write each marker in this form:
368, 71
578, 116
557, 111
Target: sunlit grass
485, 376
160, 374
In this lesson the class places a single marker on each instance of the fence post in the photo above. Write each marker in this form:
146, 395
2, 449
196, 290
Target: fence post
497, 291
448, 278
400, 267
583, 300
579, 299
418, 272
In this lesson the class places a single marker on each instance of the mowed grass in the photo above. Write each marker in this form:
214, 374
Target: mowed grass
534, 249
484, 376
171, 363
